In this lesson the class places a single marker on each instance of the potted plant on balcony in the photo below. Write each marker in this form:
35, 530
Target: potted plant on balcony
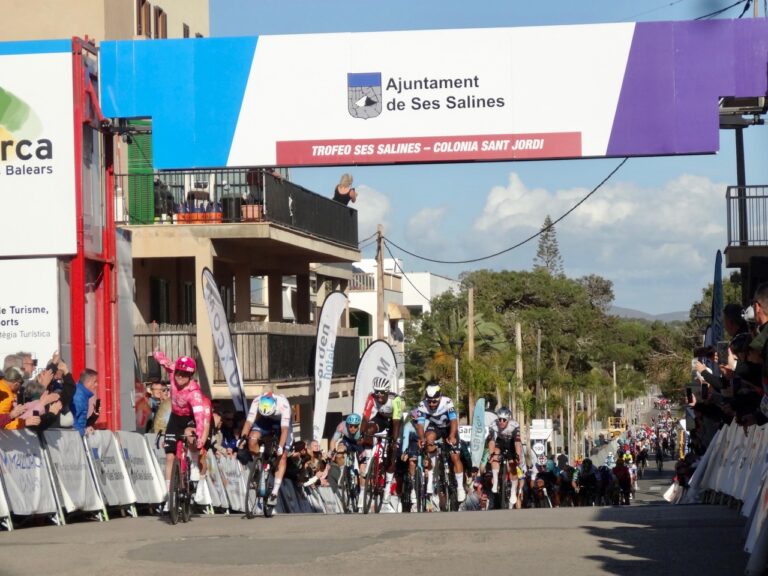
252, 209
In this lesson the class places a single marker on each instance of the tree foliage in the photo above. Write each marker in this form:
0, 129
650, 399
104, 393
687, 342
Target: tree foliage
548, 252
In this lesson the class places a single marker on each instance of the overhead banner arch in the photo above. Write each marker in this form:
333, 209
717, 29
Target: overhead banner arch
628, 89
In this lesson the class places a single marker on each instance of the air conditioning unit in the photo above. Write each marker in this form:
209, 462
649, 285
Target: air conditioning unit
741, 106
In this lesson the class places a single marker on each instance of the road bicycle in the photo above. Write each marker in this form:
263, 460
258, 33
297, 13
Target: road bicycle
444, 479
375, 480
181, 491
414, 493
260, 481
349, 484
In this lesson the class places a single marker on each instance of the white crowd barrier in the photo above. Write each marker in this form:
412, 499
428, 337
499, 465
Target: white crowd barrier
736, 466
76, 484
146, 477
62, 473
26, 477
111, 471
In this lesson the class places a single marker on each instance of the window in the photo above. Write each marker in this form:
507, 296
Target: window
143, 24
159, 300
188, 303
186, 31
161, 23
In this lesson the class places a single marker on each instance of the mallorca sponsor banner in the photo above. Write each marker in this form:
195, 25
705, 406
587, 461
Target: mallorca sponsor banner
377, 360
5, 511
37, 162
70, 461
110, 469
25, 474
333, 308
234, 475
29, 307
222, 339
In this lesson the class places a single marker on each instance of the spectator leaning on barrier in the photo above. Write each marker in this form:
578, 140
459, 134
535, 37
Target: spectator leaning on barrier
12, 360
84, 391
41, 402
64, 384
9, 388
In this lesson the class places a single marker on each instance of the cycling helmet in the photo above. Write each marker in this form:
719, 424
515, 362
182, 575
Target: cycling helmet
380, 384
185, 364
267, 405
432, 392
627, 457
504, 414
353, 419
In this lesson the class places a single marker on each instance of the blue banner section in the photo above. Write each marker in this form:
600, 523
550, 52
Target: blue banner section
192, 89
362, 80
35, 47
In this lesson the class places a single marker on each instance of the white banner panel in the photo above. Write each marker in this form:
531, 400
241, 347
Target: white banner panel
25, 474
215, 482
234, 476
333, 308
377, 360
5, 510
148, 485
70, 461
111, 471
29, 306
37, 162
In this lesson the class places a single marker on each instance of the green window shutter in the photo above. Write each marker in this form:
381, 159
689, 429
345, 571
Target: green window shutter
141, 196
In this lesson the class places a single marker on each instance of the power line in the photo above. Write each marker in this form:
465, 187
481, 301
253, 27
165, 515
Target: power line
718, 12
531, 237
746, 7
364, 240
668, 5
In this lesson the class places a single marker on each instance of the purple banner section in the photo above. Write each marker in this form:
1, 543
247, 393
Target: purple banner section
675, 75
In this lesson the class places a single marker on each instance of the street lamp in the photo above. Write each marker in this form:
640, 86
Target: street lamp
510, 374
456, 346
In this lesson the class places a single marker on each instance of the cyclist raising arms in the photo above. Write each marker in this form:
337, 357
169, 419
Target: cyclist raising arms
438, 419
270, 416
503, 438
189, 409
384, 412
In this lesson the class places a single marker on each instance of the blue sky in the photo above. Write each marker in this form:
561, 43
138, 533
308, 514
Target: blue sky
653, 229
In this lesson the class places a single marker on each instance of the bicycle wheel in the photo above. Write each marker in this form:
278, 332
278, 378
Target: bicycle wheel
173, 493
421, 490
351, 491
373, 491
503, 486
252, 489
185, 494
268, 484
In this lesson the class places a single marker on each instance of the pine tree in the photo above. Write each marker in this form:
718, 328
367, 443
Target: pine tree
548, 253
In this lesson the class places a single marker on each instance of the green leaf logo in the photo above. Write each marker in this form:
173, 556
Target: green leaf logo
17, 119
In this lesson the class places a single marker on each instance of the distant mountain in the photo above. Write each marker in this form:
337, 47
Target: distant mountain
630, 313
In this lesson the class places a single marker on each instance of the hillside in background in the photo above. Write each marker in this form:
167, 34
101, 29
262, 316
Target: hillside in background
630, 313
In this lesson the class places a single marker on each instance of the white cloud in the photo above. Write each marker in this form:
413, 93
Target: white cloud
373, 208
424, 226
650, 241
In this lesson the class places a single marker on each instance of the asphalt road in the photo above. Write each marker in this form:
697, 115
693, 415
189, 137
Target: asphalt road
649, 537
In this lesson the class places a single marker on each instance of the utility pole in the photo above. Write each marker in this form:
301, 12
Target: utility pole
614, 388
518, 370
470, 347
380, 282
538, 372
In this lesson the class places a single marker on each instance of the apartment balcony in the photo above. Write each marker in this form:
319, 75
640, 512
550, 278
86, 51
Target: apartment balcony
747, 210
272, 355
224, 199
366, 282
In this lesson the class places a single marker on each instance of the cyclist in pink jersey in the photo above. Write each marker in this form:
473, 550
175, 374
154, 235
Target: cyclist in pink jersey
189, 408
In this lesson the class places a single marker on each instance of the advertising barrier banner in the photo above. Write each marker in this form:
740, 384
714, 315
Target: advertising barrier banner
70, 461
110, 468
215, 483
25, 474
148, 485
5, 511
234, 476
377, 360
333, 308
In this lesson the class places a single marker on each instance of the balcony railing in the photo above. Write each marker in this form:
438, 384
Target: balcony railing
366, 282
268, 352
747, 208
230, 196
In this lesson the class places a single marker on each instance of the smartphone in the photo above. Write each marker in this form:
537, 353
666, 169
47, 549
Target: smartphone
689, 395
35, 413
704, 390
722, 352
